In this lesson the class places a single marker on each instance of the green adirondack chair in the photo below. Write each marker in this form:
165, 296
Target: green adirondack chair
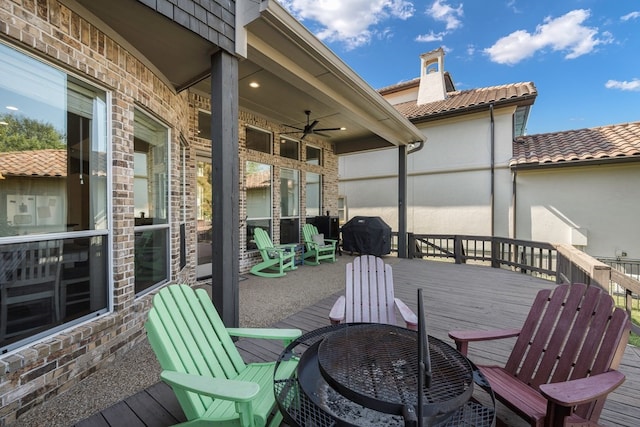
203, 366
317, 247
276, 260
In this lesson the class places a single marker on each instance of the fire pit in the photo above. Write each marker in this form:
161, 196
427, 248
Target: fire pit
367, 375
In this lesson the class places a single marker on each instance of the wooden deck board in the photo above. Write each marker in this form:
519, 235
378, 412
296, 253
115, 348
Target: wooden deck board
455, 297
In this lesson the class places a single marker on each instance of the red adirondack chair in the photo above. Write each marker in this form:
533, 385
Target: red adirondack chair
562, 366
369, 295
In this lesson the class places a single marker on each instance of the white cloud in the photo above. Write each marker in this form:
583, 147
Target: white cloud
633, 85
431, 37
351, 22
441, 11
565, 33
629, 16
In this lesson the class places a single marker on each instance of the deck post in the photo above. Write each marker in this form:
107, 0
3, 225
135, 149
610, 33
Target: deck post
402, 201
225, 170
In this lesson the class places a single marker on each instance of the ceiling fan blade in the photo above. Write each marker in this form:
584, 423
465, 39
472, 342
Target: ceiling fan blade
293, 127
327, 129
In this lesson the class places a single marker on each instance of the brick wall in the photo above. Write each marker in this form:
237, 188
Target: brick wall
60, 36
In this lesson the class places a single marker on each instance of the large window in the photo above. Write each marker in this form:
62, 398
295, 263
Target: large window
258, 193
289, 206
314, 194
150, 193
54, 217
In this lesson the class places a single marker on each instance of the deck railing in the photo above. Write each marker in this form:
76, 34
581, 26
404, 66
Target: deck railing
560, 263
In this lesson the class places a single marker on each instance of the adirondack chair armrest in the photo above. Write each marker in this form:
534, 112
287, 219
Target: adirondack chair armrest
287, 247
330, 241
583, 390
337, 313
407, 314
463, 338
218, 388
284, 334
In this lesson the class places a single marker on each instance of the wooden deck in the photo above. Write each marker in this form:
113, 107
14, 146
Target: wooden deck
455, 297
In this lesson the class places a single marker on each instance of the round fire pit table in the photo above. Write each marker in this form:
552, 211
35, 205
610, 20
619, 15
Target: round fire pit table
367, 375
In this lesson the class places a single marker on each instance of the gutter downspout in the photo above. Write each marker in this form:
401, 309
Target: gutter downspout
514, 196
402, 196
493, 169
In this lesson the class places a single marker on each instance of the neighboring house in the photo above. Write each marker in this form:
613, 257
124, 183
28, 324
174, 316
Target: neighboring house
109, 110
580, 187
477, 173
468, 146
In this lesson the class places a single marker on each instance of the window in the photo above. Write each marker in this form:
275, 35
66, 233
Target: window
289, 206
204, 216
151, 171
314, 155
314, 194
258, 140
258, 194
343, 212
53, 181
289, 148
204, 124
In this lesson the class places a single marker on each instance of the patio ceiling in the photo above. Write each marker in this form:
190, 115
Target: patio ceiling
296, 72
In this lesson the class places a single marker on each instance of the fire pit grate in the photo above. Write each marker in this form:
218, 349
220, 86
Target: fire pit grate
376, 365
308, 400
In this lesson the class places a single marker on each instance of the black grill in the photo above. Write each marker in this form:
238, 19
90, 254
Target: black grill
366, 235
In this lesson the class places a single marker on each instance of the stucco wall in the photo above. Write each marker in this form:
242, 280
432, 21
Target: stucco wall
602, 201
449, 180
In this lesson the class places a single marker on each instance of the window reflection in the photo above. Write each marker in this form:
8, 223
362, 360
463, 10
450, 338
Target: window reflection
258, 193
53, 180
151, 169
44, 284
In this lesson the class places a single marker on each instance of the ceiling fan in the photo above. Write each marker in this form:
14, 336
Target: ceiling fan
310, 127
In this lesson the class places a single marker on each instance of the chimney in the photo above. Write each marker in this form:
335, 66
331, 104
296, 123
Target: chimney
432, 85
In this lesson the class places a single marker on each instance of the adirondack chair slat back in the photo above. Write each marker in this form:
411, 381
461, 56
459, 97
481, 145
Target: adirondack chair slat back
264, 243
572, 331
187, 335
308, 231
369, 291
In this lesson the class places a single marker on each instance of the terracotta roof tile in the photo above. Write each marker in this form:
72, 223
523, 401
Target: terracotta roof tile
37, 163
460, 101
620, 141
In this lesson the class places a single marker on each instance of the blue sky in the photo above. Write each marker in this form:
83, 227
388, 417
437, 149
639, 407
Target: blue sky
582, 55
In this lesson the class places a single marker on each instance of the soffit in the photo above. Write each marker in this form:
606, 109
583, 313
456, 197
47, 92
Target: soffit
295, 70
178, 55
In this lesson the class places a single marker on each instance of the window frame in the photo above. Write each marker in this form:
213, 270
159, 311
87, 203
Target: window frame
99, 232
153, 227
249, 245
249, 129
320, 159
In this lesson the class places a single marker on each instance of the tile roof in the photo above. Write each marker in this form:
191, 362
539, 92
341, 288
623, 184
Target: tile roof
37, 163
465, 100
621, 141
